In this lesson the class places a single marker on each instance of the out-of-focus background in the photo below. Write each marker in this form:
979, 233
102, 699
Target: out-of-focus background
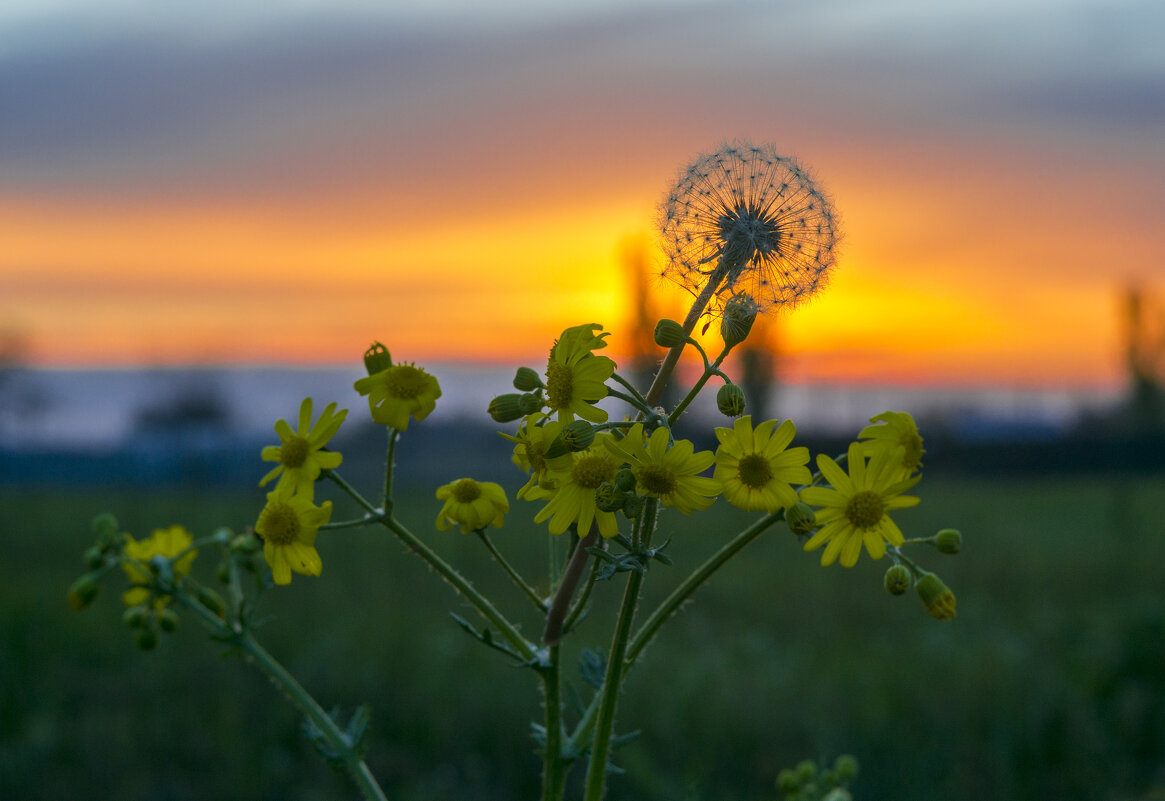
208, 211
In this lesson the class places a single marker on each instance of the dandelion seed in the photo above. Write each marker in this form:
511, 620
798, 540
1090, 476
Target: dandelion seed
748, 222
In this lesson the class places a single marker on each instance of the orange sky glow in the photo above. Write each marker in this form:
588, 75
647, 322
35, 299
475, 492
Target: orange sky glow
970, 256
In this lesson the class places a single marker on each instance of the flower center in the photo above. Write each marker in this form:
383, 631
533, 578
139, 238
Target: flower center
293, 452
591, 471
534, 455
748, 235
405, 381
559, 385
913, 445
279, 524
655, 480
865, 509
755, 471
466, 491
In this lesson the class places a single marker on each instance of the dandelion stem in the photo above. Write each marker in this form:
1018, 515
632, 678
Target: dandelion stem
655, 392
511, 572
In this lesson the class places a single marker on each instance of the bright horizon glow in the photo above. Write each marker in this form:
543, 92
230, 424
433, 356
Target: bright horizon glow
287, 193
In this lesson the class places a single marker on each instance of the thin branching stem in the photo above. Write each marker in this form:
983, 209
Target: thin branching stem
515, 577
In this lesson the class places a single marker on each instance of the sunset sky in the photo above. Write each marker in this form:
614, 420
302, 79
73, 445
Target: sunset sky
232, 182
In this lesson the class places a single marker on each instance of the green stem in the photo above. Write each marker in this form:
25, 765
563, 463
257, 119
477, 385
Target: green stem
554, 766
352, 492
673, 356
360, 521
511, 572
296, 694
680, 594
462, 585
629, 400
609, 695
389, 466
630, 388
709, 371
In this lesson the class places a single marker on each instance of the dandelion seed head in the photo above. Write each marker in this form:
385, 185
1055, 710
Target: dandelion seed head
751, 220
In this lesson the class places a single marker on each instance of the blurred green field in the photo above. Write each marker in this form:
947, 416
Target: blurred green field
1050, 683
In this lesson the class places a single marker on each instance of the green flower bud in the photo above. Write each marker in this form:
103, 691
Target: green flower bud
669, 333
801, 519
147, 639
167, 620
948, 541
530, 402
104, 526
506, 408
936, 596
846, 768
897, 579
212, 601
625, 479
739, 315
730, 400
807, 770
223, 573
574, 436
527, 380
134, 617
788, 782
609, 498
93, 557
633, 506
377, 358
83, 591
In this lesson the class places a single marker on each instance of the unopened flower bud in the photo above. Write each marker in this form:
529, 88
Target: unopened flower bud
669, 333
529, 403
93, 557
134, 617
807, 770
527, 380
801, 519
574, 436
937, 597
788, 781
633, 506
377, 358
625, 479
212, 601
83, 591
147, 639
897, 579
730, 400
948, 541
739, 315
505, 408
167, 620
609, 498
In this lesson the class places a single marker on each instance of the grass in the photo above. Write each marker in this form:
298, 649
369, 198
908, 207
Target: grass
1049, 684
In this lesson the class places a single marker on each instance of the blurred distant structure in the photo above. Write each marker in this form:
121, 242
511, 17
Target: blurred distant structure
645, 312
19, 399
758, 367
1144, 319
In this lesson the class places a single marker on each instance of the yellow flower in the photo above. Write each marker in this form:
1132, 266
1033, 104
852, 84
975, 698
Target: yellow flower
398, 391
754, 467
574, 496
288, 525
167, 542
855, 508
298, 452
472, 504
576, 377
535, 434
668, 474
899, 430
